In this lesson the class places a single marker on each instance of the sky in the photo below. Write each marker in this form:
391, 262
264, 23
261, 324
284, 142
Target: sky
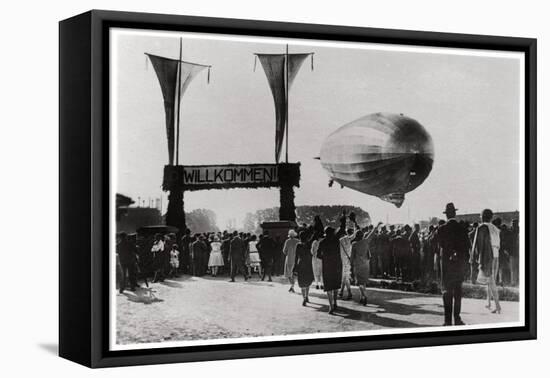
469, 103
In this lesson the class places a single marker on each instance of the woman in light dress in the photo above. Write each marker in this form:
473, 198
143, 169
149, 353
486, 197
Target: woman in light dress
216, 259
486, 246
174, 260
157, 251
289, 250
316, 263
253, 257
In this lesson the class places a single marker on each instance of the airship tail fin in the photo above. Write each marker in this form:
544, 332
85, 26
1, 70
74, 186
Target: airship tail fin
396, 198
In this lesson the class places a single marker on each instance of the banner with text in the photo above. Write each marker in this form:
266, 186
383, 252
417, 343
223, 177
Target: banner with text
198, 177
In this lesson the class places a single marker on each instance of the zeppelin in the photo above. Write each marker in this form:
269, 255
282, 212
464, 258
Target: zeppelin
382, 154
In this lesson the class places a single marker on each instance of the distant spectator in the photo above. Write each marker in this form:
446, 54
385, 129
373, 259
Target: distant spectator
215, 261
127, 255
317, 263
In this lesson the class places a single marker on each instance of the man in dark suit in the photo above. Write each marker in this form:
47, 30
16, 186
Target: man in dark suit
225, 252
267, 248
185, 252
127, 254
455, 245
514, 252
401, 254
414, 241
237, 250
199, 250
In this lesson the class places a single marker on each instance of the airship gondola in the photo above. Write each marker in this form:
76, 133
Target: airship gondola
383, 154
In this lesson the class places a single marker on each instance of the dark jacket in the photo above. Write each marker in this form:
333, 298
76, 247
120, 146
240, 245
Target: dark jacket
302, 265
225, 249
127, 252
237, 249
185, 248
414, 241
383, 244
483, 250
267, 248
514, 242
454, 248
401, 247
329, 252
199, 249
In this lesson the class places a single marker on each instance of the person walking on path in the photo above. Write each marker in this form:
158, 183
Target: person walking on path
303, 266
267, 248
345, 252
455, 246
486, 250
329, 253
289, 250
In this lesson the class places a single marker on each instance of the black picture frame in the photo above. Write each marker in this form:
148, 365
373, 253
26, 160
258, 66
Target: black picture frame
84, 187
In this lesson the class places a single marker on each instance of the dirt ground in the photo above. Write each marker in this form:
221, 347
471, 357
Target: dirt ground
191, 308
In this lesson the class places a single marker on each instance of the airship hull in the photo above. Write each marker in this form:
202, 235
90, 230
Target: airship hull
383, 154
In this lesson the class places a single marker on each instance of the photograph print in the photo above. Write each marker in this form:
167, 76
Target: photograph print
268, 189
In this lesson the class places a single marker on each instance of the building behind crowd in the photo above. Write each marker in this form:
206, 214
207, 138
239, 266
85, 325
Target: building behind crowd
506, 216
136, 217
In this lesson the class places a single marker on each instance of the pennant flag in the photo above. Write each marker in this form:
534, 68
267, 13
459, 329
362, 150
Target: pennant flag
274, 66
167, 73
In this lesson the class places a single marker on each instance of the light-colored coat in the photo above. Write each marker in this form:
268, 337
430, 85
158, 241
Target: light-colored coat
289, 250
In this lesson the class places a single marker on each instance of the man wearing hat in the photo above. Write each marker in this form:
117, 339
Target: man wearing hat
455, 245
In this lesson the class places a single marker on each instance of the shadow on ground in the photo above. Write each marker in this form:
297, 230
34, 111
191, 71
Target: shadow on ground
142, 295
377, 305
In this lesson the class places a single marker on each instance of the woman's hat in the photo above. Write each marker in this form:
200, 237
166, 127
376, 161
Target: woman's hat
292, 233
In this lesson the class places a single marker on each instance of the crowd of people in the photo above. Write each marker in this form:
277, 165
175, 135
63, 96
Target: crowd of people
334, 259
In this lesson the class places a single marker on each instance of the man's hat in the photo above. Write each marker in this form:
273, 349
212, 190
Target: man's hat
450, 208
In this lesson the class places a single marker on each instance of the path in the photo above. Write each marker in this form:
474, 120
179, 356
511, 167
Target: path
190, 308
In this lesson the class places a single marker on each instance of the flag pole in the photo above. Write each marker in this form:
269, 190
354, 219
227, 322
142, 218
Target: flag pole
286, 101
178, 102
